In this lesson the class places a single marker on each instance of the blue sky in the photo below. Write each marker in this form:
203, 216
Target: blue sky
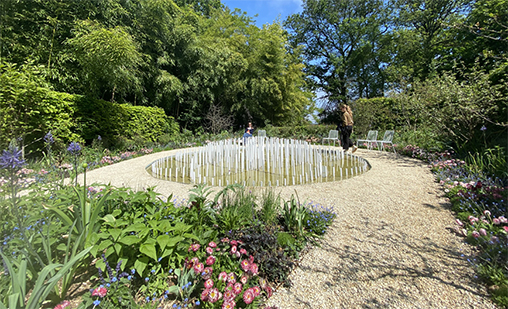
267, 10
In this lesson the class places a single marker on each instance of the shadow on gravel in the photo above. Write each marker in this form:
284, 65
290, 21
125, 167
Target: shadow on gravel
381, 254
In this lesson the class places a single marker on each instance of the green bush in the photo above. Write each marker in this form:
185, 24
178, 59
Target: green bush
29, 109
299, 132
375, 114
116, 122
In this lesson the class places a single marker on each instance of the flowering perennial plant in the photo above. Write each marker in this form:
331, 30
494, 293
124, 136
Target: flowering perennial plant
229, 280
113, 290
480, 202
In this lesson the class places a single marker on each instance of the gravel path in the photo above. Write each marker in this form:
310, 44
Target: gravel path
391, 246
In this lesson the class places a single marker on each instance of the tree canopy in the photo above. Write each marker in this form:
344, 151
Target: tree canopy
182, 56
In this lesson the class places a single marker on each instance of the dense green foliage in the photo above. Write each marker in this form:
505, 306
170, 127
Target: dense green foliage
180, 56
113, 121
28, 110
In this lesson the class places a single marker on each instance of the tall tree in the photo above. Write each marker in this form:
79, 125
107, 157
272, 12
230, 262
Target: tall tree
343, 46
424, 40
109, 59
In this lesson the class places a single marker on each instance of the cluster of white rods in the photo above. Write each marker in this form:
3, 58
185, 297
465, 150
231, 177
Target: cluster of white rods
260, 162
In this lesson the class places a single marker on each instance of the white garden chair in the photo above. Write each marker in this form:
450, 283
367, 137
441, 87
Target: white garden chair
387, 139
370, 140
333, 135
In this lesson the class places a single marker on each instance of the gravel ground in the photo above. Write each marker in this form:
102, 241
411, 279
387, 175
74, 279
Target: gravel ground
391, 246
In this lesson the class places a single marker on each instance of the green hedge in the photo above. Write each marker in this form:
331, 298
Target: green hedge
299, 132
375, 114
113, 121
29, 109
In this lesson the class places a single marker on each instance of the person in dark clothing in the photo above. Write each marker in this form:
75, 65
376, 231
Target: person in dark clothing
248, 132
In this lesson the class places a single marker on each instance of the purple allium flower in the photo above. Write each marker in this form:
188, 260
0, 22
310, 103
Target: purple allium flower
483, 128
74, 148
48, 138
99, 138
11, 158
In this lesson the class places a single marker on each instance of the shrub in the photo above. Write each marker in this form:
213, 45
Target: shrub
29, 109
115, 121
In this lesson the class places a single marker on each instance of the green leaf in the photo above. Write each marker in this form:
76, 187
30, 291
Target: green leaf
191, 236
115, 233
116, 213
109, 218
149, 250
104, 244
140, 265
167, 252
61, 247
129, 240
173, 241
134, 227
118, 248
174, 290
163, 240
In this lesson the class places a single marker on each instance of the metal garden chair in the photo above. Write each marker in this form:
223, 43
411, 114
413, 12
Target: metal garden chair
333, 135
370, 140
387, 139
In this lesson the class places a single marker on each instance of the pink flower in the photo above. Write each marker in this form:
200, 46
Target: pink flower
194, 247
204, 294
100, 291
63, 304
233, 250
244, 279
210, 260
237, 288
207, 273
254, 269
209, 284
243, 251
237, 254
245, 265
230, 304
225, 240
502, 219
223, 276
496, 221
459, 222
194, 260
198, 268
214, 295
251, 259
212, 244
483, 232
232, 277
234, 242
248, 297
475, 234
268, 291
209, 250
256, 291
486, 213
505, 228
229, 295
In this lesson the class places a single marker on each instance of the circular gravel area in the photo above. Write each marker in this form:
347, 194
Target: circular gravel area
391, 245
